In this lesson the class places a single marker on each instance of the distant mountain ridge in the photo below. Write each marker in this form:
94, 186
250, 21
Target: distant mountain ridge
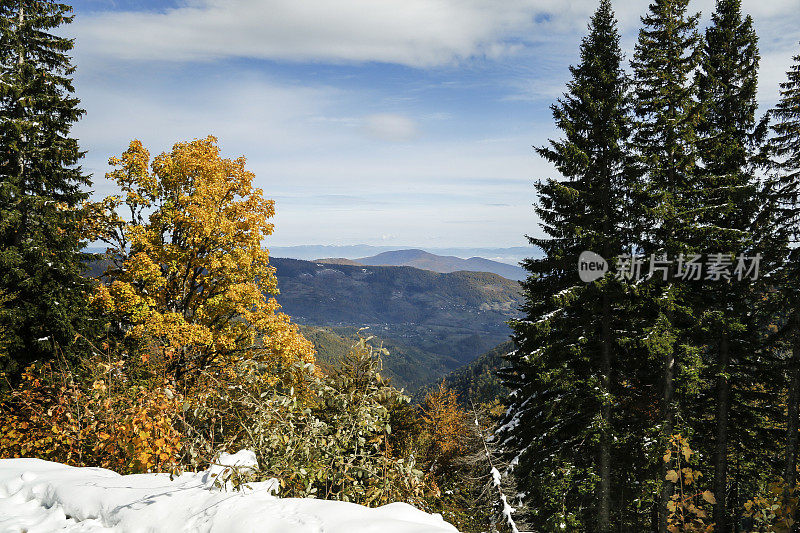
442, 263
337, 261
309, 252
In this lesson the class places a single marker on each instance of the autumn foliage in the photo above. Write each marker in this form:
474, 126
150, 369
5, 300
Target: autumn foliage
774, 509
98, 415
187, 292
686, 507
447, 426
187, 274
196, 359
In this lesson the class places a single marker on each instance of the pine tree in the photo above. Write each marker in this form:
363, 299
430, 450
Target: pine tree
665, 57
785, 143
730, 203
784, 152
563, 371
41, 186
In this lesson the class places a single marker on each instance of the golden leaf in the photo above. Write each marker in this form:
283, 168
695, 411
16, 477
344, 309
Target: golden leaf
687, 452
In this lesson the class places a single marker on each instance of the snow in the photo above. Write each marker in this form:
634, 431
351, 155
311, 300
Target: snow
508, 511
562, 292
548, 316
39, 496
495, 477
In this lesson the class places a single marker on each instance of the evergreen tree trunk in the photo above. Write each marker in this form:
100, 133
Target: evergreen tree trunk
793, 409
604, 511
727, 137
792, 412
668, 414
20, 154
721, 451
668, 418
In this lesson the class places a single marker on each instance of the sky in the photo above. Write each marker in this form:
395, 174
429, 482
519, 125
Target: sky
381, 122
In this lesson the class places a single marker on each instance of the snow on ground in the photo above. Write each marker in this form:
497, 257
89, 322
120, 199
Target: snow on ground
40, 496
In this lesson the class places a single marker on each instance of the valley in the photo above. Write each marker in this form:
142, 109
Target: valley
431, 323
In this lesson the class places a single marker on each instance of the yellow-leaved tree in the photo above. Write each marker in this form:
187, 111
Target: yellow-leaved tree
187, 294
187, 278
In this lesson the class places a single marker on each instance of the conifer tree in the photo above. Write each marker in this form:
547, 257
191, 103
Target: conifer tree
563, 371
784, 152
665, 139
729, 204
41, 185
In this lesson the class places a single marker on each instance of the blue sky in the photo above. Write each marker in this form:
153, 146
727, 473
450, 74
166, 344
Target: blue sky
383, 122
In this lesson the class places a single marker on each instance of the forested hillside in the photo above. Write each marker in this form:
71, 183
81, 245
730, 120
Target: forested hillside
430, 323
456, 316
477, 382
408, 367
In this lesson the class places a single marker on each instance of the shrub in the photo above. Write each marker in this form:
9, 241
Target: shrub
100, 414
774, 509
327, 438
685, 512
447, 428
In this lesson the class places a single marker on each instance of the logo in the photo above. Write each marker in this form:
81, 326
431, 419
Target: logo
591, 267
686, 267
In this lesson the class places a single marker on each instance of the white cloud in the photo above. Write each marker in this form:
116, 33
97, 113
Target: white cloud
390, 127
411, 32
250, 114
420, 33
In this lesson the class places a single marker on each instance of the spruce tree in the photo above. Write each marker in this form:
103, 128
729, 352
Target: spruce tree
665, 139
559, 429
41, 185
729, 204
784, 152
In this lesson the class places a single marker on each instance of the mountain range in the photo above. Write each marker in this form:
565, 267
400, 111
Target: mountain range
437, 263
510, 255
